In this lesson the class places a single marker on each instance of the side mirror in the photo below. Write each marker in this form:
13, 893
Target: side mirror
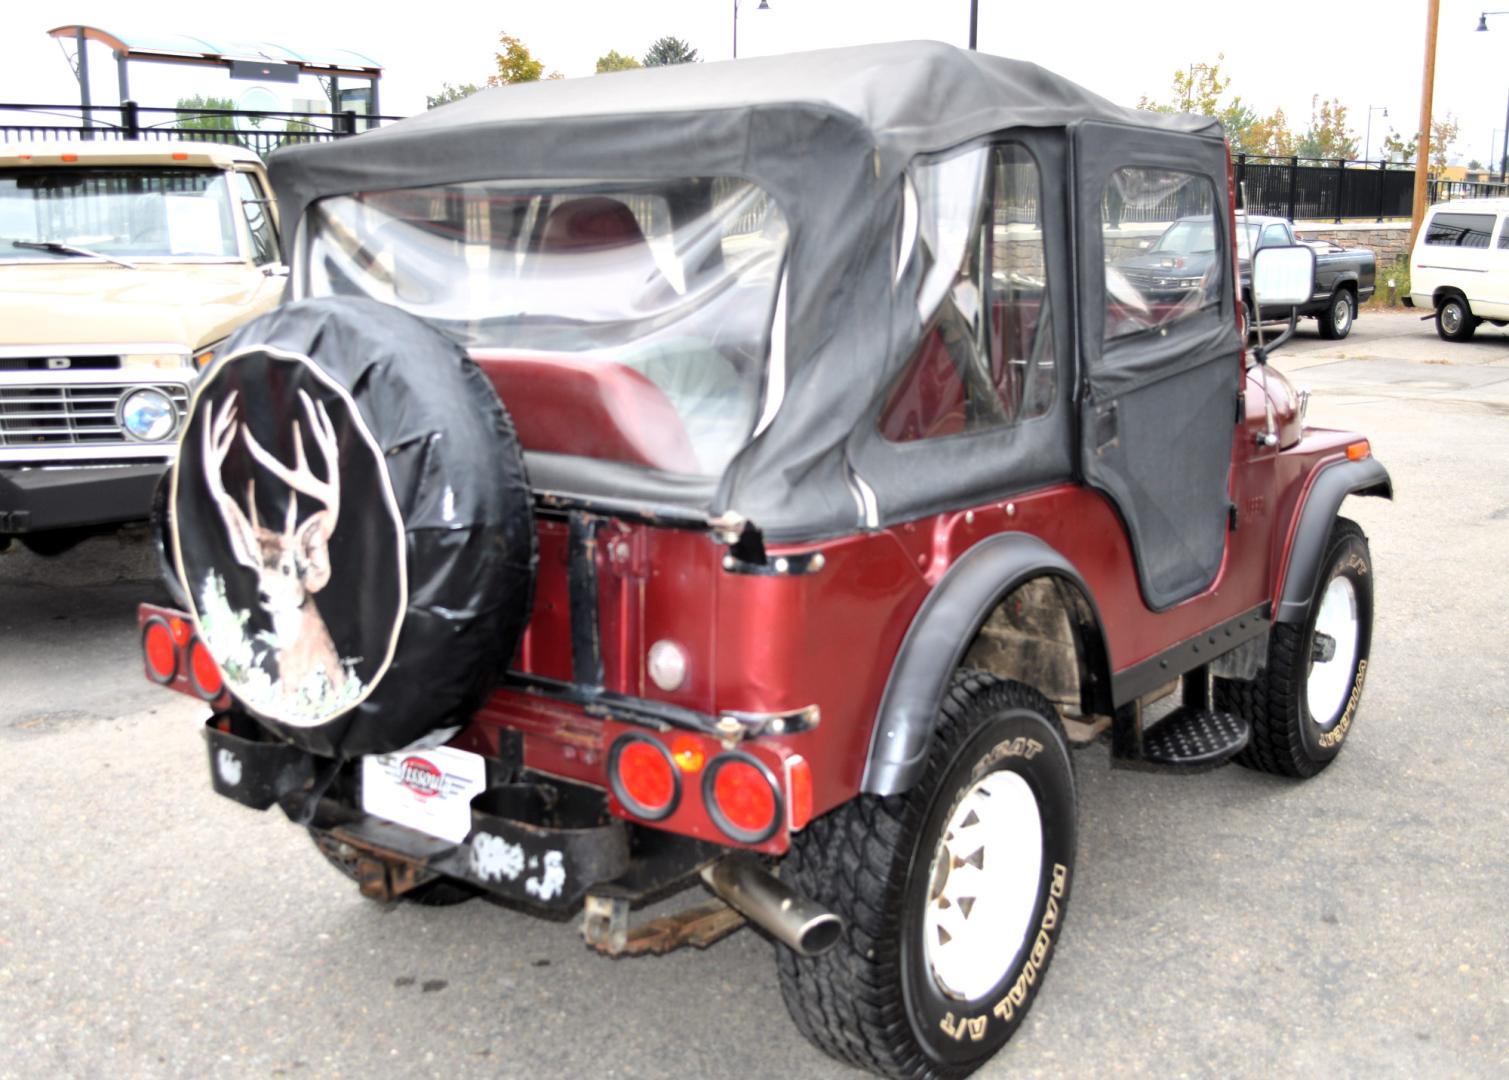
1283, 276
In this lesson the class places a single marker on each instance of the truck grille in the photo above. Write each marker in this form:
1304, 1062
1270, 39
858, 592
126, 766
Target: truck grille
71, 415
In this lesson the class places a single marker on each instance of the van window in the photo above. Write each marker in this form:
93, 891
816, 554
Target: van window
1460, 230
1504, 234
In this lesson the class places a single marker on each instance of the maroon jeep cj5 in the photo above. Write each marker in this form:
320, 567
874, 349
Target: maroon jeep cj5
761, 474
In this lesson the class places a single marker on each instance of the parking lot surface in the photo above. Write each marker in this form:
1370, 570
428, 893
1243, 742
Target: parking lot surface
1224, 924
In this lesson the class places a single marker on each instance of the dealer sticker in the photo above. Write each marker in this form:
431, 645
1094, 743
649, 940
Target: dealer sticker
428, 790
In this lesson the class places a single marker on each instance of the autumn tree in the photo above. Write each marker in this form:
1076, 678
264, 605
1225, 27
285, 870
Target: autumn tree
1327, 136
1196, 89
1443, 134
614, 61
670, 50
449, 93
517, 65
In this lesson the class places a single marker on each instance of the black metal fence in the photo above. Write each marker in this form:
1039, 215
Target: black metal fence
260, 132
1307, 189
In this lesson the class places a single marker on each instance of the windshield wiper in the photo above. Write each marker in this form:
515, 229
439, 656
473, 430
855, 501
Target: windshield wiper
68, 249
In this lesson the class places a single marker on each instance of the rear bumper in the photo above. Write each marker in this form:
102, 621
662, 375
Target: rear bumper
36, 499
546, 868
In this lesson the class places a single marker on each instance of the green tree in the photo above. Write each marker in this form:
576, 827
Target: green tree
670, 50
1443, 134
1327, 136
190, 110
1196, 89
449, 93
515, 64
613, 61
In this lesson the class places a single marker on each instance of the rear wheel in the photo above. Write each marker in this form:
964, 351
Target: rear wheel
1336, 320
1302, 705
952, 895
1454, 319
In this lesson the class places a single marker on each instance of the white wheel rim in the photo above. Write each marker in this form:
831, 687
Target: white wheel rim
1451, 318
983, 886
1330, 681
1343, 314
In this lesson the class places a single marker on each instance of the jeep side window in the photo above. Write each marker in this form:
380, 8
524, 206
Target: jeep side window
1181, 273
986, 358
254, 203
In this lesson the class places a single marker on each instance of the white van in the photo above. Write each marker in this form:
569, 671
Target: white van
1460, 265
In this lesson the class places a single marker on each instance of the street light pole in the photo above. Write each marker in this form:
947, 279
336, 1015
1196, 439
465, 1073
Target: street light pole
764, 6
1503, 161
1367, 140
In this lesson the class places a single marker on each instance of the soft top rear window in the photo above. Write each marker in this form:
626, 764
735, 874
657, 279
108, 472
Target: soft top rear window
633, 319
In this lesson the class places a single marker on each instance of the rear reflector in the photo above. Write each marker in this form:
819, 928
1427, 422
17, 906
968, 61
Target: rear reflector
203, 673
798, 791
70, 157
160, 651
643, 777
742, 797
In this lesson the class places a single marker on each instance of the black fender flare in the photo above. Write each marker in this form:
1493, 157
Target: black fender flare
1332, 485
938, 638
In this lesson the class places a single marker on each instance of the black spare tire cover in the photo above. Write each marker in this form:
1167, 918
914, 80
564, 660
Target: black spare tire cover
351, 523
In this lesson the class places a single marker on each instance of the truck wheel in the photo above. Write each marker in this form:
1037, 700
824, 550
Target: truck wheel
1454, 320
442, 892
953, 895
1301, 707
1336, 321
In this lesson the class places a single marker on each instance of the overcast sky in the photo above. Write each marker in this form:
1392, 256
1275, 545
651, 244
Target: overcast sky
1283, 52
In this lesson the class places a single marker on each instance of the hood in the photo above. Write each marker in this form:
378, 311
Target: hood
87, 302
1170, 263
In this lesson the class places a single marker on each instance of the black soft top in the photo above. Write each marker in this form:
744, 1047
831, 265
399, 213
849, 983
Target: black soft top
827, 134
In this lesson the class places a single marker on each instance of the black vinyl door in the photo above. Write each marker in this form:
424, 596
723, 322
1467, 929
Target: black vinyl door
1160, 354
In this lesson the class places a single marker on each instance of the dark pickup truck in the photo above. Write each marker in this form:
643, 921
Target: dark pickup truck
1180, 259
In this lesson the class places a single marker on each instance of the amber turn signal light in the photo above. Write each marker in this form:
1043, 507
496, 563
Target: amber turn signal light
1359, 450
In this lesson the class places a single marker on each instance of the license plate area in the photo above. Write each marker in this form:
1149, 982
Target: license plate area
427, 790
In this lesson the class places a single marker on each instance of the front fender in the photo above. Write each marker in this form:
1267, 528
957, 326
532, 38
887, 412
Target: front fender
937, 640
1332, 484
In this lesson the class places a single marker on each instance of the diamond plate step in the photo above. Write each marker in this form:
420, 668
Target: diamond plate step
1195, 738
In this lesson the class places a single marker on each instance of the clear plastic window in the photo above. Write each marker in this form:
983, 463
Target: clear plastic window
986, 358
656, 298
1163, 260
121, 210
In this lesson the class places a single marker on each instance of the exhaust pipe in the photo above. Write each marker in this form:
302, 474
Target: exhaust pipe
793, 920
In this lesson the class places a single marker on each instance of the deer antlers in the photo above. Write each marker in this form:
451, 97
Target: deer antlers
301, 479
219, 433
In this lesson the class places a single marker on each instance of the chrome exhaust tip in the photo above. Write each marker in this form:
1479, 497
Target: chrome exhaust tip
792, 919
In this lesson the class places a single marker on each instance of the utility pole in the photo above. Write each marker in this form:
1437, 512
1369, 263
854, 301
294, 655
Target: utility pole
1422, 162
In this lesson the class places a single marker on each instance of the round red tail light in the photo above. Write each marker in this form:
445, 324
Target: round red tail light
643, 777
742, 797
203, 673
160, 650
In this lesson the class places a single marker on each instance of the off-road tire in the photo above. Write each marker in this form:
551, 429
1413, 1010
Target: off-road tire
872, 1000
442, 892
1454, 320
1341, 312
1286, 739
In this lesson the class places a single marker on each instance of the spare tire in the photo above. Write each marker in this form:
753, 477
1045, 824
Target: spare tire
351, 524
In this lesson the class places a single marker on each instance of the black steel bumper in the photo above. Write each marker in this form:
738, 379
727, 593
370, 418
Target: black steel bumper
550, 868
36, 499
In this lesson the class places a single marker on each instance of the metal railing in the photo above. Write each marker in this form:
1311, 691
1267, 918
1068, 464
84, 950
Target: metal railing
260, 132
1311, 189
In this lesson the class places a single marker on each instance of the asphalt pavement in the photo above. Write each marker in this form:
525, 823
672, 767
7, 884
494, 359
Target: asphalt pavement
1222, 925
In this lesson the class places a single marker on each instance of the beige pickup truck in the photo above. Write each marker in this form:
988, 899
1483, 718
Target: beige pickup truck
123, 266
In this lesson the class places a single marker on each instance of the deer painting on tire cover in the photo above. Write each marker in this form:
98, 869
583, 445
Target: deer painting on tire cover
292, 563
